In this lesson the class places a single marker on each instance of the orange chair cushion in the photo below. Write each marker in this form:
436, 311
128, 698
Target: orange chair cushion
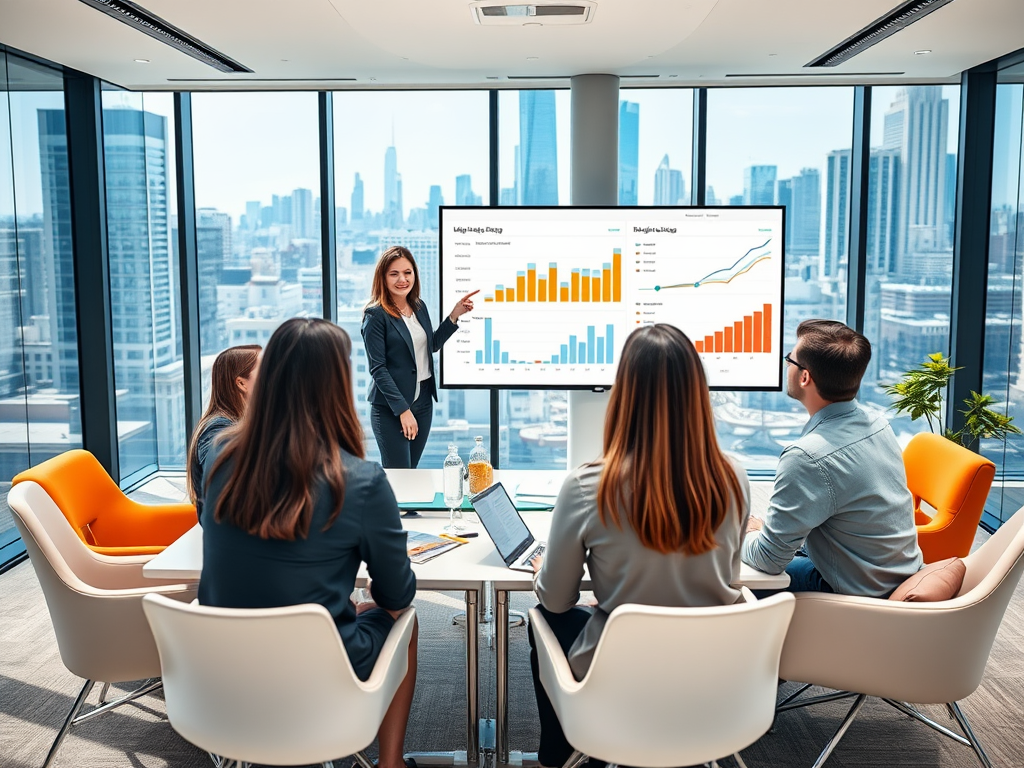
105, 519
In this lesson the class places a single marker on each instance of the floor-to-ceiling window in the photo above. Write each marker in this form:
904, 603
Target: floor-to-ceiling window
910, 199
791, 147
398, 156
533, 169
257, 181
139, 169
39, 405
1003, 332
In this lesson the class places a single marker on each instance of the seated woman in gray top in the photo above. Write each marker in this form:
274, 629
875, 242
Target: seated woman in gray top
658, 520
231, 380
292, 509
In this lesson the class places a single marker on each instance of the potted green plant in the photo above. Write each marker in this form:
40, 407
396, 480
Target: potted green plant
919, 394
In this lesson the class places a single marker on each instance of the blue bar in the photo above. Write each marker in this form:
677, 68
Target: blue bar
572, 349
590, 344
496, 356
554, 358
565, 354
480, 357
487, 339
606, 265
500, 289
600, 350
583, 352
585, 272
531, 266
609, 333
504, 356
552, 265
520, 274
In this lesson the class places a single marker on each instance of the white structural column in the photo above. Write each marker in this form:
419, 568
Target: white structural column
594, 179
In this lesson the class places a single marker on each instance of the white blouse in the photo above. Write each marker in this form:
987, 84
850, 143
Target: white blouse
422, 353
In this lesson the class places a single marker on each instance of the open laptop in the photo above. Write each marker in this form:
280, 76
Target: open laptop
506, 528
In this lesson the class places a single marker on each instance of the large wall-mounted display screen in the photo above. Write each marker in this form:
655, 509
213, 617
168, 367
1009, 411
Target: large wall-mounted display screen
561, 288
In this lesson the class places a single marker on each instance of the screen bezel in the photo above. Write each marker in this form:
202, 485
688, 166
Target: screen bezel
523, 545
442, 312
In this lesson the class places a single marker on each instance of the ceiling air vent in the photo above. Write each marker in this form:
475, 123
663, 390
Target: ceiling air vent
898, 18
139, 18
539, 12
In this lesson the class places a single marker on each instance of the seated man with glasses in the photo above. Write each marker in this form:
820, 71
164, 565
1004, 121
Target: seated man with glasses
841, 517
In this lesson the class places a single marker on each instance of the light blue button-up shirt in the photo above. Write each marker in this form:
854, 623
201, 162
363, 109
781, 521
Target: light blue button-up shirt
841, 493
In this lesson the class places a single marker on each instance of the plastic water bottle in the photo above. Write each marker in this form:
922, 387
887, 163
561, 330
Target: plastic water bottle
453, 489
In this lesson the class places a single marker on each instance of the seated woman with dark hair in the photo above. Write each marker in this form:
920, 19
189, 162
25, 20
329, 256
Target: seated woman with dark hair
231, 380
292, 509
658, 519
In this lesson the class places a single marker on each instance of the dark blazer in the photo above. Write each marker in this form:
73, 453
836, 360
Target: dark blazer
241, 570
392, 358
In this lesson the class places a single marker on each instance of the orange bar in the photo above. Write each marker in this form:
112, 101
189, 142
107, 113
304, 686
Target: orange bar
767, 346
595, 288
728, 339
520, 288
606, 285
617, 275
499, 295
488, 298
709, 343
719, 346
575, 286
564, 294
510, 294
552, 283
698, 345
737, 336
748, 333
757, 332
531, 285
542, 289
585, 289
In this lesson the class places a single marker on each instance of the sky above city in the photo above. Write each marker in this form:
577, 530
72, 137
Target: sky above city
251, 146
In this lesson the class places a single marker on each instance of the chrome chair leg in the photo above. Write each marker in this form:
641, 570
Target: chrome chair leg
68, 721
739, 760
965, 726
913, 712
363, 760
576, 759
103, 693
847, 722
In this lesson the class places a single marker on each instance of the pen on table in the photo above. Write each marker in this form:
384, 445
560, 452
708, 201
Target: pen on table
458, 539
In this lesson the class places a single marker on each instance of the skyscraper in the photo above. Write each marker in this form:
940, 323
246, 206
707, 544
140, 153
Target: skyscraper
252, 214
669, 188
393, 212
784, 197
759, 185
916, 125
883, 196
213, 245
837, 212
357, 199
629, 151
538, 151
464, 191
805, 212
302, 213
433, 203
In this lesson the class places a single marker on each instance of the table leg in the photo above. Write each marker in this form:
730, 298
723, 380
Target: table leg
472, 680
501, 674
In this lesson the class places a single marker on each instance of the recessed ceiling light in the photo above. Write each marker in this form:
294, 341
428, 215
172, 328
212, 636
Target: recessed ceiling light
142, 61
532, 58
373, 79
922, 52
772, 55
533, 24
673, 75
285, 60
493, 77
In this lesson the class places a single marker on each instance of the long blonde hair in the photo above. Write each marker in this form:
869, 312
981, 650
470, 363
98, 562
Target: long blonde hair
660, 448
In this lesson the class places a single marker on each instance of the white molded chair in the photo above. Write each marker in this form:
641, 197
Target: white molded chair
925, 653
272, 685
670, 686
95, 605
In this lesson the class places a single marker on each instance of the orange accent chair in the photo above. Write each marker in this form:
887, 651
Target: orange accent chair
106, 520
956, 482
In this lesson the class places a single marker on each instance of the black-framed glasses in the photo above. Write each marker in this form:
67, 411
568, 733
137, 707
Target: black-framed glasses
791, 361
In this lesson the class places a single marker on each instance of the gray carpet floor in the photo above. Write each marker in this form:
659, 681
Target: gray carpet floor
36, 692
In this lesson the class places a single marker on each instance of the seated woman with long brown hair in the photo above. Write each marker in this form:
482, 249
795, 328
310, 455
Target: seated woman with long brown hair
658, 519
292, 508
231, 380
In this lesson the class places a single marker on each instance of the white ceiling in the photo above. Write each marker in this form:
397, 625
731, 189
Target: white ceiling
338, 44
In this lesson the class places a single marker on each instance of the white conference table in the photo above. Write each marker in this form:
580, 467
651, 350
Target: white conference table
469, 568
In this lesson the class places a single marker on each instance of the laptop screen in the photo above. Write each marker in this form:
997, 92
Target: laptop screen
501, 520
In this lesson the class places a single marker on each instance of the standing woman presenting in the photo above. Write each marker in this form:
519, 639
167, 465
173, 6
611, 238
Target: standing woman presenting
400, 343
